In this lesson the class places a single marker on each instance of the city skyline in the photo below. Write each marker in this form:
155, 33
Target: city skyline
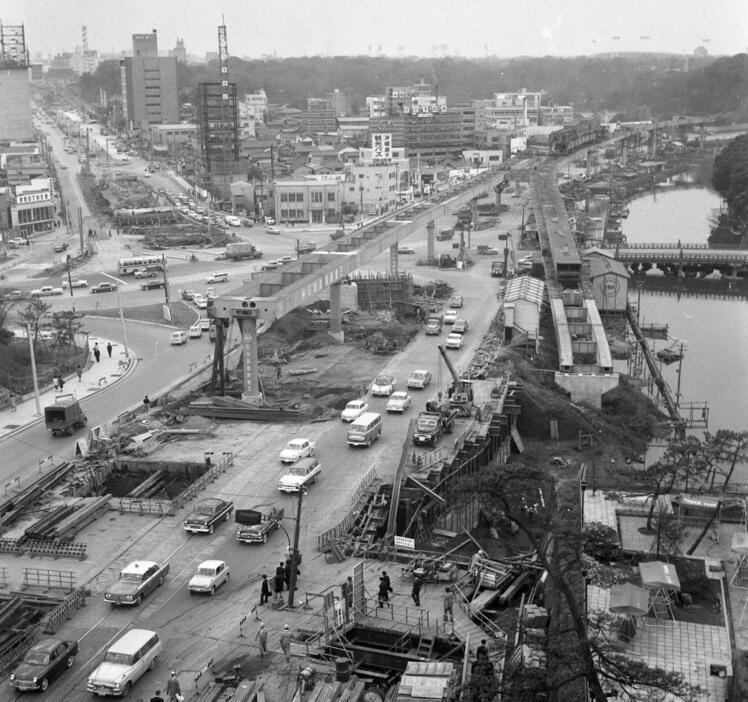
471, 28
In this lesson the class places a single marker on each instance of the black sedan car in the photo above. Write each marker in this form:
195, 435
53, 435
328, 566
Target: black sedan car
44, 661
103, 288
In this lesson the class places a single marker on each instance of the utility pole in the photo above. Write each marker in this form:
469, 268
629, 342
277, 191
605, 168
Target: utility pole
166, 281
33, 370
70, 282
295, 552
122, 321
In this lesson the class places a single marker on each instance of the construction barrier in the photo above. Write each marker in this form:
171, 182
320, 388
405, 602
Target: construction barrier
55, 549
64, 611
42, 577
219, 463
142, 505
11, 655
359, 495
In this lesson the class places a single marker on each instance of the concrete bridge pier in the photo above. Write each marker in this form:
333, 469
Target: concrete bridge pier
430, 240
393, 259
474, 211
251, 391
336, 326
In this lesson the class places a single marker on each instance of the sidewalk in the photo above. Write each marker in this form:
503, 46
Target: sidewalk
94, 378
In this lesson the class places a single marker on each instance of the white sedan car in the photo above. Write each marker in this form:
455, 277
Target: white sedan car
454, 341
300, 475
209, 576
74, 283
398, 402
383, 386
450, 316
296, 449
353, 410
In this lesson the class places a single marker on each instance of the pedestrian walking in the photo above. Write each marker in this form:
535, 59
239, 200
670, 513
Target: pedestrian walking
285, 642
147, 403
262, 640
278, 587
79, 372
415, 593
157, 697
109, 348
61, 382
264, 590
481, 653
280, 572
383, 594
55, 383
12, 400
448, 602
97, 352
173, 689
386, 579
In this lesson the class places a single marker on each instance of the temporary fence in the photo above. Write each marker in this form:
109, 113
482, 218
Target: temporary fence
64, 610
43, 577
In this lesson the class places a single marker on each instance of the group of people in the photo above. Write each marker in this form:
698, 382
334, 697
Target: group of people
281, 581
285, 640
173, 690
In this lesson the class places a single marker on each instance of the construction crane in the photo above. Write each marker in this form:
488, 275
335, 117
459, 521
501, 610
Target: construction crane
461, 391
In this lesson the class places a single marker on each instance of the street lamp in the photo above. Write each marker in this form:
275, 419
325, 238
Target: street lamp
295, 552
70, 281
361, 203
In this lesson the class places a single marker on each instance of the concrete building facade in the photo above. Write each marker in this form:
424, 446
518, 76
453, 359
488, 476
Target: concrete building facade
314, 200
15, 104
33, 208
149, 85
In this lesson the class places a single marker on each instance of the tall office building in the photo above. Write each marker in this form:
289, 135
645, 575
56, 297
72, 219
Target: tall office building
15, 89
149, 85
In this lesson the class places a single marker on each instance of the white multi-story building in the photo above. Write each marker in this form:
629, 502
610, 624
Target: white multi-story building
255, 105
375, 105
33, 207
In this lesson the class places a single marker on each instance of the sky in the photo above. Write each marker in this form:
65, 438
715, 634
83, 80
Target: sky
469, 28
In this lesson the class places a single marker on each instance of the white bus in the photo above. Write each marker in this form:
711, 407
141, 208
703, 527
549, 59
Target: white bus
131, 264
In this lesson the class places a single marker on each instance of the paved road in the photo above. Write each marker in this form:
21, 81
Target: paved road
159, 365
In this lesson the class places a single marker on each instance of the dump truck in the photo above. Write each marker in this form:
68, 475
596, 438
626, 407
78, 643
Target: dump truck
64, 416
238, 250
431, 424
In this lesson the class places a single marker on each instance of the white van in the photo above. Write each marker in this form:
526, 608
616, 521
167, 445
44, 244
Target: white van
217, 277
178, 338
125, 662
365, 430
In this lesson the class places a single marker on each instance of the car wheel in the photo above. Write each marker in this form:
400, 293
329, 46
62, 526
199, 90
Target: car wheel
264, 538
126, 690
212, 590
44, 684
228, 577
210, 529
69, 662
138, 599
153, 663
226, 518
160, 580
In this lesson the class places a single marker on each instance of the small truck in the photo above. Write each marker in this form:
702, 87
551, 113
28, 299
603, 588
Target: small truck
64, 416
255, 527
152, 284
431, 424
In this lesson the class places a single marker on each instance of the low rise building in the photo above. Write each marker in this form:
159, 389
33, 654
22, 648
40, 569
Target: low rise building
172, 134
33, 209
313, 200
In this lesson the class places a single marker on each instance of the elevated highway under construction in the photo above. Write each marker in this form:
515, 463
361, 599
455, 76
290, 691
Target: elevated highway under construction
319, 275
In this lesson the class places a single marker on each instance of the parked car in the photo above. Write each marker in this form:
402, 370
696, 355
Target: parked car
74, 283
450, 316
136, 580
301, 475
296, 449
399, 402
209, 576
43, 662
354, 409
454, 341
383, 386
207, 514
104, 288
419, 379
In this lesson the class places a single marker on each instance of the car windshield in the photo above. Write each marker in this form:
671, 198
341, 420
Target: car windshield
118, 658
36, 658
419, 375
296, 444
383, 380
206, 571
354, 405
398, 396
298, 471
205, 509
428, 422
131, 577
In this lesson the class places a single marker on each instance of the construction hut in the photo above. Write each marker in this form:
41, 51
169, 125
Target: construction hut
609, 279
523, 300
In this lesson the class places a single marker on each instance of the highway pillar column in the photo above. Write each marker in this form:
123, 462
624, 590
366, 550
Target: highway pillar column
393, 260
474, 213
336, 328
251, 392
430, 246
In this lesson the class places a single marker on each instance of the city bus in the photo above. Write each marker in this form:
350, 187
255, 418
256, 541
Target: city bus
130, 265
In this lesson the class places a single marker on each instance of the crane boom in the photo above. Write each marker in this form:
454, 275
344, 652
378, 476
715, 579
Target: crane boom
461, 395
450, 367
